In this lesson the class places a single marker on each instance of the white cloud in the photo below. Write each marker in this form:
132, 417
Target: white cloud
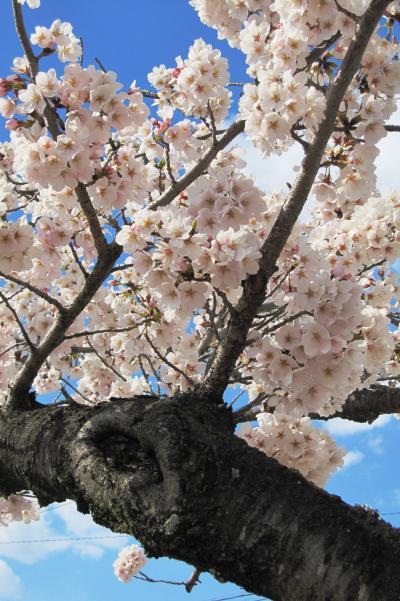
387, 163
376, 444
274, 172
62, 522
10, 587
345, 427
352, 458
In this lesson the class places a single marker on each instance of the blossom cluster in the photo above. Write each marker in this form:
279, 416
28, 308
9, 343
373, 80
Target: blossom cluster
60, 36
295, 444
129, 561
275, 38
196, 86
80, 141
18, 508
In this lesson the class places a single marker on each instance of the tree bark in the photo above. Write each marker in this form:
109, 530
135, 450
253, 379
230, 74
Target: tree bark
367, 404
172, 473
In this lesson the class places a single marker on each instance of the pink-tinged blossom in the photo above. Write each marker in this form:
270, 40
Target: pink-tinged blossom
32, 99
18, 508
315, 339
129, 562
295, 443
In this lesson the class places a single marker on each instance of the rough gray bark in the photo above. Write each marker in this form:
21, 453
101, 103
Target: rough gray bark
368, 404
172, 473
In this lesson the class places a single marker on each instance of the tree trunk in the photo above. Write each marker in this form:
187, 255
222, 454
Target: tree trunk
172, 473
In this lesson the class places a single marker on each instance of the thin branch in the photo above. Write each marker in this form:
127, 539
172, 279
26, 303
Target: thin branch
85, 398
299, 139
392, 128
89, 211
49, 299
23, 38
22, 383
346, 12
145, 578
50, 114
165, 360
288, 319
192, 581
254, 286
103, 331
10, 348
102, 67
104, 362
19, 322
144, 372
246, 413
319, 50
213, 125
190, 176
78, 261
148, 94
167, 152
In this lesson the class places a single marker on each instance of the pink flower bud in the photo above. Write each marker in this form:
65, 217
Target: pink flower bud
4, 87
13, 124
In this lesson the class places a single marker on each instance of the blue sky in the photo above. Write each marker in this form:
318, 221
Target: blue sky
130, 37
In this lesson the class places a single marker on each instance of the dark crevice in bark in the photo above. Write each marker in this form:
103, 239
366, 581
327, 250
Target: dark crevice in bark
172, 473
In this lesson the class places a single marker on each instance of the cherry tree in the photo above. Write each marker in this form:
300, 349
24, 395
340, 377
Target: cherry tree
145, 278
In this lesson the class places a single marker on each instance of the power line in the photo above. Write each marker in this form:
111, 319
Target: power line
234, 597
64, 539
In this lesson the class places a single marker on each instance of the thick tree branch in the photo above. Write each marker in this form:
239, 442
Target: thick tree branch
50, 113
255, 285
190, 176
24, 39
20, 387
89, 211
171, 471
368, 404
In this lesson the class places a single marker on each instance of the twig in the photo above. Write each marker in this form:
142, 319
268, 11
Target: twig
103, 331
144, 372
78, 261
104, 362
86, 205
76, 390
19, 322
148, 94
33, 61
145, 578
346, 12
190, 176
167, 152
10, 348
49, 299
299, 139
288, 319
21, 385
102, 67
213, 125
192, 581
23, 38
171, 365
